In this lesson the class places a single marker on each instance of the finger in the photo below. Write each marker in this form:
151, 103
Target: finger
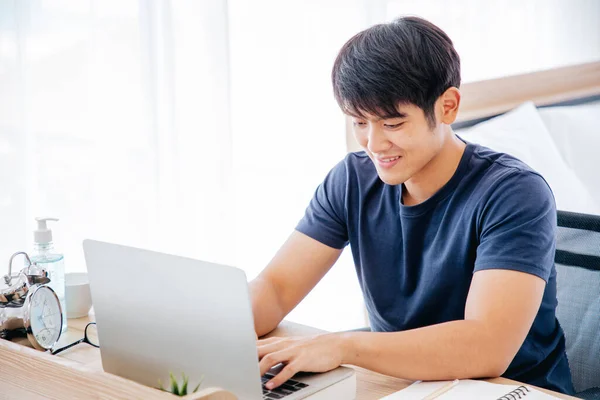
261, 342
271, 348
283, 376
272, 359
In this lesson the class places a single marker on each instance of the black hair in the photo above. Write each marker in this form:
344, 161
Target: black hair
406, 61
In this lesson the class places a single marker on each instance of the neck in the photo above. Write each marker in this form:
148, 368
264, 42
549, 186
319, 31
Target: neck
436, 173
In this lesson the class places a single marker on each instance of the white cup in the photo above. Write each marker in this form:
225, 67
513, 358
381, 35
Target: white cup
77, 294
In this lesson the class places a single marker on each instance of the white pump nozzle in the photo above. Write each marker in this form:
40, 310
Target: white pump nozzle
42, 234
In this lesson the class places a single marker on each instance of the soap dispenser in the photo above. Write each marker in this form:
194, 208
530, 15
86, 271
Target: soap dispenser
47, 258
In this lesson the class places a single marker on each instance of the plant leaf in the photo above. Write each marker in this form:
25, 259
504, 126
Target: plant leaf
160, 386
174, 385
200, 383
197, 387
183, 391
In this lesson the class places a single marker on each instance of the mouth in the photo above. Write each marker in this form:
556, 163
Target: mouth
387, 162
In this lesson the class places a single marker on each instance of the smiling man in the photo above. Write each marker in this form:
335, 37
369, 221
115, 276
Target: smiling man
453, 243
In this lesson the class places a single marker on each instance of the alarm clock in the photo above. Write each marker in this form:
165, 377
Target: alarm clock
28, 304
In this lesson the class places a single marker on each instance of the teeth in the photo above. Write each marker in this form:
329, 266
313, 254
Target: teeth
390, 159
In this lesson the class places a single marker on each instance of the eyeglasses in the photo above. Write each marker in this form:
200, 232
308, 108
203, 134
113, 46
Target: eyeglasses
90, 336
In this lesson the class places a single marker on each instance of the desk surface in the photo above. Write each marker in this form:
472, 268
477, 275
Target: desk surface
370, 385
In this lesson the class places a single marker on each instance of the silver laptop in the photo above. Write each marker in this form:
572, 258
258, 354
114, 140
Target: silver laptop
159, 314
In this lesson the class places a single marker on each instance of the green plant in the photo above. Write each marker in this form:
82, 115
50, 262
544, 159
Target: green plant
176, 388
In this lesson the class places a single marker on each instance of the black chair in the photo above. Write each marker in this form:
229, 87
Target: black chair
578, 291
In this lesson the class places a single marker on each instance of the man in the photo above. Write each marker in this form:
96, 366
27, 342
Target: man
453, 242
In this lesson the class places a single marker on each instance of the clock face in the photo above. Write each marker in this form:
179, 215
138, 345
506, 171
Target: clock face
45, 317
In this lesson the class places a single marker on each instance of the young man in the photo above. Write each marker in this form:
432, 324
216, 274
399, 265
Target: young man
453, 242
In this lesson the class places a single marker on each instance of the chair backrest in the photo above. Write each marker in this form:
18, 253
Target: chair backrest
578, 292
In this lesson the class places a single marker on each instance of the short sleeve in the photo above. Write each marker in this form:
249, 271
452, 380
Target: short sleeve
325, 216
518, 226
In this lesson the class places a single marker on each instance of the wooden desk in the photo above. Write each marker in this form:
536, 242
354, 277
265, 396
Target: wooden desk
85, 359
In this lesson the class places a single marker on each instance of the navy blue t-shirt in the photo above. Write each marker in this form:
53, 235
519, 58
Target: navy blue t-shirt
415, 263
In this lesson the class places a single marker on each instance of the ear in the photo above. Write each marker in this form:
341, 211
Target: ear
449, 102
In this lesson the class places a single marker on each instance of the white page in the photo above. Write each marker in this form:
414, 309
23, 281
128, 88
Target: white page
466, 389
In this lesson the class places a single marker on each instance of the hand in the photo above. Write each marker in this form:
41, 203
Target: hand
319, 353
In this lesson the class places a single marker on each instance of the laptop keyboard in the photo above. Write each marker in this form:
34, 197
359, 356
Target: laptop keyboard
282, 391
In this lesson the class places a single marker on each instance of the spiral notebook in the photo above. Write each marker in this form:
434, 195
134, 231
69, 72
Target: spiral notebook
467, 389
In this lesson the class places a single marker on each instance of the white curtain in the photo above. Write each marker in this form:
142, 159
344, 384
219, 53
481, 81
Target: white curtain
116, 120
200, 128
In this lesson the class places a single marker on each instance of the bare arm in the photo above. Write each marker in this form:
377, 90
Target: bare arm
482, 345
294, 271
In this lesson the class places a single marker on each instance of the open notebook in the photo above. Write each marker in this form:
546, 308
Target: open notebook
468, 389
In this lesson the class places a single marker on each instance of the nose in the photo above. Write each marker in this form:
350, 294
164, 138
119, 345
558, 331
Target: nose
377, 141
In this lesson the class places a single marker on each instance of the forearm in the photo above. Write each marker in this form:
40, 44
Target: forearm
296, 268
266, 306
457, 349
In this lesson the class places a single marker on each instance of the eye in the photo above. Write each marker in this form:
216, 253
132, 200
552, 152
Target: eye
393, 126
359, 123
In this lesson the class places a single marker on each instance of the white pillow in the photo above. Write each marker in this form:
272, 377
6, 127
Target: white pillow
575, 132
522, 134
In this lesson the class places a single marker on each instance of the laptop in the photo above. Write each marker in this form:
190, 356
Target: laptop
158, 314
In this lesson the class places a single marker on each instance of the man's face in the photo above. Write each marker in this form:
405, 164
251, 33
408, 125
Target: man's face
399, 147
